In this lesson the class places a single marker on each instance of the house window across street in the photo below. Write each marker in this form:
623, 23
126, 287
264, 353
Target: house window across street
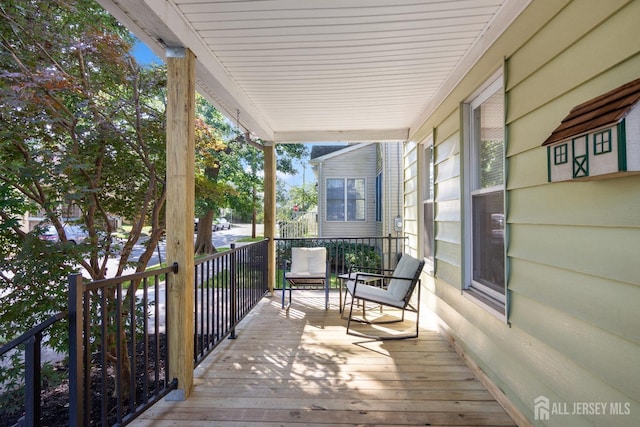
346, 199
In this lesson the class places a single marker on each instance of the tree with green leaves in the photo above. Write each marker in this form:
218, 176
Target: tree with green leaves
82, 125
211, 193
305, 196
243, 165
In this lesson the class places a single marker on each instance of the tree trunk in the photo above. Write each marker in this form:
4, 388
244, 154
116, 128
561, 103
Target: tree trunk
204, 239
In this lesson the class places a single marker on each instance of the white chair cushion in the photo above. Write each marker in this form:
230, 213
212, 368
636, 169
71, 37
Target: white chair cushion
317, 260
374, 293
308, 261
406, 267
299, 261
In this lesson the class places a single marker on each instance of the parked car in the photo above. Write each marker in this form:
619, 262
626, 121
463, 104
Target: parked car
221, 224
75, 234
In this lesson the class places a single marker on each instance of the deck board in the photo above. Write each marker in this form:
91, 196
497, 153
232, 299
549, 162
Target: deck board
300, 368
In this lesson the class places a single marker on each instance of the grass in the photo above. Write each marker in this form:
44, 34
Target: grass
124, 231
250, 240
219, 280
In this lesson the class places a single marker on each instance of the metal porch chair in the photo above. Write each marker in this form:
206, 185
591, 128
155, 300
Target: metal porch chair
397, 293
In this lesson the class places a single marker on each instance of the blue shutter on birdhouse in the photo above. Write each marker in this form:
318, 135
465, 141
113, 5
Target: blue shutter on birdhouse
599, 138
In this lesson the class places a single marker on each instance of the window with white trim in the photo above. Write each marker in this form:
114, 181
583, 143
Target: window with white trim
484, 198
428, 242
346, 199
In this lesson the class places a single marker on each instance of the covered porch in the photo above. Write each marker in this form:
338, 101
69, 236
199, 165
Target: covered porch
291, 72
564, 330
300, 368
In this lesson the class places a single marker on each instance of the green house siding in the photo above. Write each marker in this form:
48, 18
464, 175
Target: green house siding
573, 332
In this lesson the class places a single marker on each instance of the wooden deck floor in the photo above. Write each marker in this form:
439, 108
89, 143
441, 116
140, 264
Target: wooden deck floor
301, 368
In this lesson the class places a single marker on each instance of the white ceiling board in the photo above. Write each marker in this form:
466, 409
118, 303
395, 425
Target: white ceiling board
313, 69
329, 6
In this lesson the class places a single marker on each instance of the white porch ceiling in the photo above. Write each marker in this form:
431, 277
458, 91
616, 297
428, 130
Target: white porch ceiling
323, 70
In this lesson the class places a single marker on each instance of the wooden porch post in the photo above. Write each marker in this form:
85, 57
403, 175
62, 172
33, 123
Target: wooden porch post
180, 210
270, 209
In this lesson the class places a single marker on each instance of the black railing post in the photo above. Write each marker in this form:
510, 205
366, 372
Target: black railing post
234, 288
76, 365
265, 265
32, 380
389, 254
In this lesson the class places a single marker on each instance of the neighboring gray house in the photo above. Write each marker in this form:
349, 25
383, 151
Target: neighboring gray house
359, 189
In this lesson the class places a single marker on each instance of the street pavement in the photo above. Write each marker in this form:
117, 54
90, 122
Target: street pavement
221, 238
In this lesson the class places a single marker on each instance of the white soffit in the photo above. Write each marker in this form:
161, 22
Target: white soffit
324, 70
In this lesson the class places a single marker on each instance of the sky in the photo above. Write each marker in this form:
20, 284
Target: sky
145, 56
304, 171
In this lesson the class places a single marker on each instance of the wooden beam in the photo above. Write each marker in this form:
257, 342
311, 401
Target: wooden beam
270, 169
180, 213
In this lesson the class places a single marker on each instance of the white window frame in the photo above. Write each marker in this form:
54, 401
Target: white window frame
346, 199
427, 172
488, 298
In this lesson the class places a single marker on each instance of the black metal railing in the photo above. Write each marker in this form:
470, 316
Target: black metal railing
118, 356
118, 334
228, 285
118, 353
343, 252
31, 356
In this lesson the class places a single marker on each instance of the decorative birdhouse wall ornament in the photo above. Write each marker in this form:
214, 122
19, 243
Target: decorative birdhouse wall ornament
599, 138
